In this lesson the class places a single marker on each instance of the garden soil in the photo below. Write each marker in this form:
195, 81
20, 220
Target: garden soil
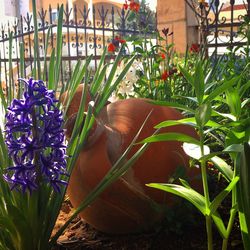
182, 232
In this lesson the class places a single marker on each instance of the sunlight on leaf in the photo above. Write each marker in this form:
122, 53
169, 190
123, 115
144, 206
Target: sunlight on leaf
194, 150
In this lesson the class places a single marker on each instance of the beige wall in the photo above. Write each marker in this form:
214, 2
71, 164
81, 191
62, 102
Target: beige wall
177, 16
45, 3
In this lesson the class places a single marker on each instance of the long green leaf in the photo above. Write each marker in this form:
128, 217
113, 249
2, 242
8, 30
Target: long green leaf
233, 101
222, 195
220, 225
23, 229
187, 75
187, 193
186, 121
51, 70
223, 167
37, 65
45, 52
171, 137
203, 114
97, 80
243, 194
174, 105
10, 88
59, 42
222, 88
199, 82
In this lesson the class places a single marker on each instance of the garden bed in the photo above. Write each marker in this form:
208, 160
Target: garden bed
181, 234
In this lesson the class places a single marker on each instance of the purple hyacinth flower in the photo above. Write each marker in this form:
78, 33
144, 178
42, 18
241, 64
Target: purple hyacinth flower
35, 140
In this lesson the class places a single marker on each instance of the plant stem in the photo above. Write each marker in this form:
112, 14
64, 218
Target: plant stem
206, 193
229, 228
232, 213
209, 233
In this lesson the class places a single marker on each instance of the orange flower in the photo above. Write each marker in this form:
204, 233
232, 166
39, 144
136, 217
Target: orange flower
164, 75
111, 48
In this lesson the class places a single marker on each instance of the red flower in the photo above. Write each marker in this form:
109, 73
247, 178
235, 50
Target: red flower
162, 55
134, 6
122, 41
111, 48
166, 33
125, 6
164, 75
195, 48
117, 38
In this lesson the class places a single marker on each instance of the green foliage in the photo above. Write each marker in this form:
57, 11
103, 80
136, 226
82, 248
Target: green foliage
27, 220
214, 96
243, 194
216, 106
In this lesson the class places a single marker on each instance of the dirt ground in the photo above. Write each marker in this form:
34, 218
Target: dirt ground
177, 232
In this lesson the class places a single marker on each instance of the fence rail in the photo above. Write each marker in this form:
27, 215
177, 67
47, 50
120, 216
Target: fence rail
85, 32
221, 25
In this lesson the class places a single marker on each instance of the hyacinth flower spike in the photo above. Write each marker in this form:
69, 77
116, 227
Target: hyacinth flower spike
35, 140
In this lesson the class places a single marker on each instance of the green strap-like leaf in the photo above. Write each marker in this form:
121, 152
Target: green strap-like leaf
45, 52
243, 193
222, 88
233, 101
186, 121
203, 114
199, 82
222, 195
59, 44
171, 137
223, 167
187, 75
22, 227
174, 105
219, 224
51, 70
96, 81
187, 193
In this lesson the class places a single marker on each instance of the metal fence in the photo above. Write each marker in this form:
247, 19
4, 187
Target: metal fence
222, 24
85, 32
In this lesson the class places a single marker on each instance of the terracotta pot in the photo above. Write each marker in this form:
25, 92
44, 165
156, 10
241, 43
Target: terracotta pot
127, 205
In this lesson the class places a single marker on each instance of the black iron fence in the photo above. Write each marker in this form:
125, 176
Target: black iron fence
88, 31
85, 32
222, 24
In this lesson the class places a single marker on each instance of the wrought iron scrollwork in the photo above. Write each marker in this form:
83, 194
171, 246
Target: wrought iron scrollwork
85, 31
218, 23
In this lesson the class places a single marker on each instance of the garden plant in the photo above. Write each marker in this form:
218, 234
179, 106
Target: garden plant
212, 93
219, 95
34, 178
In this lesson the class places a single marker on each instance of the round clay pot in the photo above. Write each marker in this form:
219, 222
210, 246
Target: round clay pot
128, 205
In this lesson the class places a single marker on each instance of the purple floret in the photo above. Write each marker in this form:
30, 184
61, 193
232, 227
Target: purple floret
35, 140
